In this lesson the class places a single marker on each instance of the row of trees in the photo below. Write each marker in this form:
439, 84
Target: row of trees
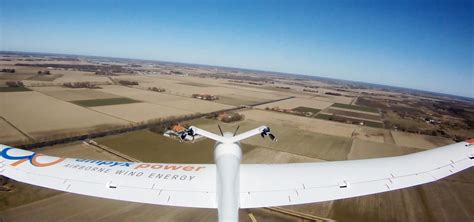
15, 84
8, 70
75, 85
128, 83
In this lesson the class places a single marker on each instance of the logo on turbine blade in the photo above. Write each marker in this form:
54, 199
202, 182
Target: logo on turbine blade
32, 158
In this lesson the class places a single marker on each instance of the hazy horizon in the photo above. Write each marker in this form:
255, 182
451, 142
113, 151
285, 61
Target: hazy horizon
419, 45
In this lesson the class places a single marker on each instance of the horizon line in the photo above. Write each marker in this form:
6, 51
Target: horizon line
248, 69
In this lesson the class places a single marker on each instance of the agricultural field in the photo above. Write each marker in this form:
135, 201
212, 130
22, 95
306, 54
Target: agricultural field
360, 108
9, 135
295, 102
49, 78
290, 140
186, 86
358, 115
182, 103
79, 76
350, 120
423, 203
139, 112
15, 76
304, 143
270, 156
36, 114
419, 141
195, 84
14, 89
306, 110
333, 99
104, 102
237, 100
66, 94
361, 149
373, 135
301, 123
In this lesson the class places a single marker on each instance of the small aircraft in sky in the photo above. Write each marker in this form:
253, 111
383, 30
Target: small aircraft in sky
229, 185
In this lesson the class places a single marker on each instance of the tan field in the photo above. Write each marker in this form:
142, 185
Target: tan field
9, 134
269, 156
34, 112
139, 112
78, 76
445, 200
364, 149
356, 111
295, 102
186, 86
419, 141
334, 99
303, 123
172, 101
371, 134
238, 100
66, 94
291, 140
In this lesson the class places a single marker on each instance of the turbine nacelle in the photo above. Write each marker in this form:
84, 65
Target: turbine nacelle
266, 132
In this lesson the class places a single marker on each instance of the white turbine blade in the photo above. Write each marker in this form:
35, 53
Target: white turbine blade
247, 134
207, 134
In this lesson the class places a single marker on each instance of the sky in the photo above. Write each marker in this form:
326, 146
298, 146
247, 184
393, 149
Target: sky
427, 45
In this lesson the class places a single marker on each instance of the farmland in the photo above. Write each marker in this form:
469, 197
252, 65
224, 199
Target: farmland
360, 108
295, 102
9, 133
46, 109
172, 101
36, 114
140, 112
104, 102
14, 89
354, 114
306, 109
73, 94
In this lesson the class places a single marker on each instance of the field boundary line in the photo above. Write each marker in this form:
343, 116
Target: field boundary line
18, 129
112, 151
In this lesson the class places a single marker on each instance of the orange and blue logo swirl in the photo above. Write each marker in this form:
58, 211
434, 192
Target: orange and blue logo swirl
32, 158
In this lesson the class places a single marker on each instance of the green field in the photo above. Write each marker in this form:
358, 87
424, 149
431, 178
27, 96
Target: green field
45, 77
323, 116
306, 109
152, 147
14, 89
360, 108
195, 84
373, 124
104, 102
